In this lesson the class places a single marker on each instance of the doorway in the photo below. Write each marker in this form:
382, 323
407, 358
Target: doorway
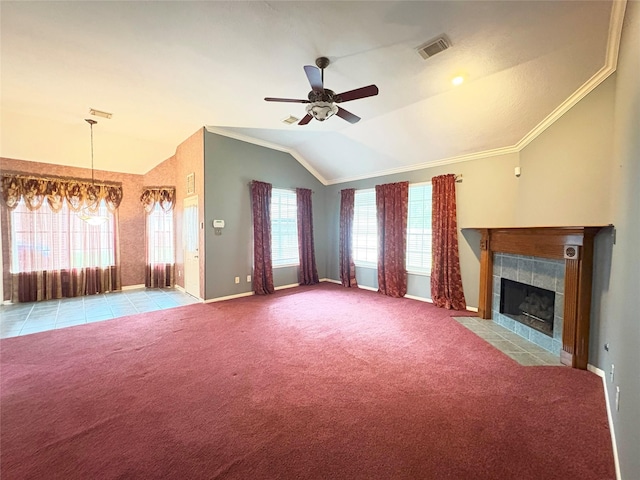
191, 247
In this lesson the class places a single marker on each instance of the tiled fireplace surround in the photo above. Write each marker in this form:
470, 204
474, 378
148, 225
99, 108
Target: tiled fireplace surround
540, 272
560, 258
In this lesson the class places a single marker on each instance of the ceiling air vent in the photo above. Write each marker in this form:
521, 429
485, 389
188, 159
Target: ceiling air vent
290, 120
433, 47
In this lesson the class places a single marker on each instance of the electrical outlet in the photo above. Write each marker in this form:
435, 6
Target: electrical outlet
237, 279
248, 278
611, 373
617, 399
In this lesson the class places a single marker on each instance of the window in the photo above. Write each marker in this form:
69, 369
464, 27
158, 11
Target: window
284, 228
160, 248
365, 228
44, 240
419, 229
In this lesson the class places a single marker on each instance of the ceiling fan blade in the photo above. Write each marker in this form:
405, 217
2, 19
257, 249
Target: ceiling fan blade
306, 119
363, 92
315, 77
348, 116
290, 100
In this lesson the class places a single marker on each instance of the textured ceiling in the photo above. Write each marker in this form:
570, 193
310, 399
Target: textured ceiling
166, 69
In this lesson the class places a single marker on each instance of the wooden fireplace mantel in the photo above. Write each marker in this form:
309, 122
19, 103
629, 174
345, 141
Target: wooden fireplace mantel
549, 242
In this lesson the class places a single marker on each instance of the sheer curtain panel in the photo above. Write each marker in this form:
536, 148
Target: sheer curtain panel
54, 253
158, 203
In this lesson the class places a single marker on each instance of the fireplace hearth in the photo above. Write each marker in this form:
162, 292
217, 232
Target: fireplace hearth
531, 306
573, 246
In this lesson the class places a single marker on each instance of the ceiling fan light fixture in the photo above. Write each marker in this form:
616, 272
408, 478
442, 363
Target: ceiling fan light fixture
322, 110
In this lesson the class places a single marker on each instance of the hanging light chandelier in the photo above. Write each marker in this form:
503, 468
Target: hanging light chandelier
85, 214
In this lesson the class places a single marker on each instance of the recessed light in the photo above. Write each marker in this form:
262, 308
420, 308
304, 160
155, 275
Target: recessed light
457, 80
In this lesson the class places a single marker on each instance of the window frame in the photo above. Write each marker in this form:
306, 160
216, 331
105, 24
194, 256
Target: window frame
371, 223
70, 234
159, 211
291, 217
413, 269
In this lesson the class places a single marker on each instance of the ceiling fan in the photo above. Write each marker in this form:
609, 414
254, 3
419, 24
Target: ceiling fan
322, 101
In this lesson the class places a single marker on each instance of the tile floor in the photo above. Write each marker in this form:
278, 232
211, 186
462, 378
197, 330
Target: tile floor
33, 317
521, 350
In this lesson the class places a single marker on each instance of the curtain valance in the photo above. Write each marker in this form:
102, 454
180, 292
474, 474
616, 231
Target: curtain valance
78, 193
164, 196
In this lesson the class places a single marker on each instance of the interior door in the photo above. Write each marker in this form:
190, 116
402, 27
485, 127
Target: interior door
191, 247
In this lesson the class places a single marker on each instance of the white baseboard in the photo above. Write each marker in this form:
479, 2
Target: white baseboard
246, 294
229, 297
614, 444
134, 287
420, 299
371, 289
291, 285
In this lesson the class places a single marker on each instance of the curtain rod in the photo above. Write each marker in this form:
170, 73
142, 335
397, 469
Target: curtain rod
56, 178
458, 178
293, 189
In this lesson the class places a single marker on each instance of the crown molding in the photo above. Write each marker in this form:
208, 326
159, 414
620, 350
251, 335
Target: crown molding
611, 62
436, 163
616, 20
273, 146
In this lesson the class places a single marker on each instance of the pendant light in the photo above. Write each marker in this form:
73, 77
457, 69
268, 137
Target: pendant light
92, 218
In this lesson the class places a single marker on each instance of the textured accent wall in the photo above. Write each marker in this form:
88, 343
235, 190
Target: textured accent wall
189, 158
130, 215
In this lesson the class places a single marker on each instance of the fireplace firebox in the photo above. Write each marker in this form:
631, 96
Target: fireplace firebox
529, 305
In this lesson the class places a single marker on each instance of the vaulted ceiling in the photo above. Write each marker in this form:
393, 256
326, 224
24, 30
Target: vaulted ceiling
165, 69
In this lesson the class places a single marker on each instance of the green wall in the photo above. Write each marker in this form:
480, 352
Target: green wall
618, 271
229, 166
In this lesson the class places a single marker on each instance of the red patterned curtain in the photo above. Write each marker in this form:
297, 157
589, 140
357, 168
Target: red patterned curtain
347, 267
308, 270
262, 267
446, 281
392, 207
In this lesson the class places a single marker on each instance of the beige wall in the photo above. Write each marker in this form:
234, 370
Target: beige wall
566, 171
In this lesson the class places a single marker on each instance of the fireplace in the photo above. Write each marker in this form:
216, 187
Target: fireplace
529, 305
570, 246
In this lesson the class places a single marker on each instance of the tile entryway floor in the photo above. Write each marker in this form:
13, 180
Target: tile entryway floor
521, 350
33, 317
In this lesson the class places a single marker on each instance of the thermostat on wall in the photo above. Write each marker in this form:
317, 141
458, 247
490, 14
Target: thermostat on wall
218, 224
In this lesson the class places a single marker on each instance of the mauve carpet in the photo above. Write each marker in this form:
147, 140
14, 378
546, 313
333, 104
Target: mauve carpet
317, 382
